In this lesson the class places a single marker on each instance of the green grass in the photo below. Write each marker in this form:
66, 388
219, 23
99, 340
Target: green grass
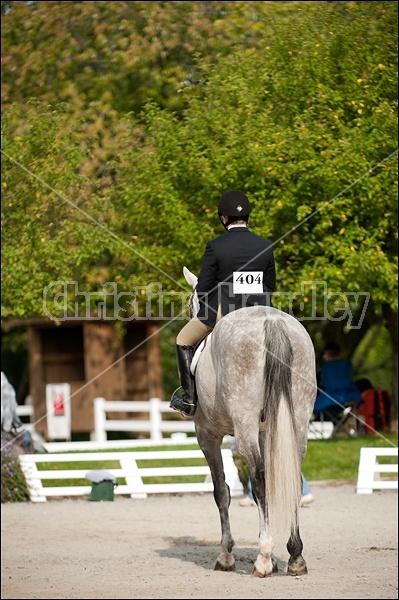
338, 458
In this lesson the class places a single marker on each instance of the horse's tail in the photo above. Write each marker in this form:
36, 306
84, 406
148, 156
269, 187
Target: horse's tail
283, 469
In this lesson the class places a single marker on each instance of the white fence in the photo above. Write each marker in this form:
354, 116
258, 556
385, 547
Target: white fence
129, 470
155, 425
320, 430
370, 470
26, 410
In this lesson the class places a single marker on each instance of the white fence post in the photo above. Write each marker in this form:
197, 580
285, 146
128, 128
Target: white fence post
155, 419
100, 434
133, 477
32, 475
231, 474
369, 477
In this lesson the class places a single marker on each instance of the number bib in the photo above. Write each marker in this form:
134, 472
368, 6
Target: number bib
248, 282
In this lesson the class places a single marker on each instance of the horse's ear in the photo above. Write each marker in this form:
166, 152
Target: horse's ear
190, 277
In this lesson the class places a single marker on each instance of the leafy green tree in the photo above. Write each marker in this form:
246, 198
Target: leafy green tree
121, 54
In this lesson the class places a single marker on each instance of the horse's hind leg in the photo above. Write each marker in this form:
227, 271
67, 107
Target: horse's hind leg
265, 563
296, 562
221, 492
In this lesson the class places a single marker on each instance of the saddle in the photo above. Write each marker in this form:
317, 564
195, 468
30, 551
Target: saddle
197, 351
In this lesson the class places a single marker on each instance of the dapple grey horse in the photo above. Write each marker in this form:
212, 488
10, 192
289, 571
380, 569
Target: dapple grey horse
256, 380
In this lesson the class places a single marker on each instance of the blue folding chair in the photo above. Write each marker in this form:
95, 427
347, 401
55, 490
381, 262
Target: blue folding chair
339, 396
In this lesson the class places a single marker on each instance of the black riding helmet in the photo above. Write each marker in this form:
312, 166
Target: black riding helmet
234, 204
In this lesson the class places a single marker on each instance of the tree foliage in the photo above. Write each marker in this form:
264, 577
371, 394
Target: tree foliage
305, 124
122, 54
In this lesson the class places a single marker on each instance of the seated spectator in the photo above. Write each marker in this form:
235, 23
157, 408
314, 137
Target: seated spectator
335, 381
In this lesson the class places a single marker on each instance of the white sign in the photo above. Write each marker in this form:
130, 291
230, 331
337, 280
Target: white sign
248, 282
58, 405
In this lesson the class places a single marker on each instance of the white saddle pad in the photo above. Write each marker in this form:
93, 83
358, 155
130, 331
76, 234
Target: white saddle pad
198, 351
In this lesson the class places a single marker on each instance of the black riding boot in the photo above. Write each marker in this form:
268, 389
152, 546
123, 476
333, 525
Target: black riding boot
187, 404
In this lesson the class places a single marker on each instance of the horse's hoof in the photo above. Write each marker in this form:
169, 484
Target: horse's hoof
297, 567
220, 567
225, 562
264, 566
256, 573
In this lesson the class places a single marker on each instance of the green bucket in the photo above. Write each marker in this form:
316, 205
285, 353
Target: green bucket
102, 491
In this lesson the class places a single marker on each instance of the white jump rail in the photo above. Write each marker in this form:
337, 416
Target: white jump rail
129, 470
370, 470
154, 425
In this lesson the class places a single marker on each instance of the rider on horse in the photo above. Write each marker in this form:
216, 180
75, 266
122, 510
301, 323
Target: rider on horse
238, 270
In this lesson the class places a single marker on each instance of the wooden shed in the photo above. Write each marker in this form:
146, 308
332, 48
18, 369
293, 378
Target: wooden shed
96, 359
